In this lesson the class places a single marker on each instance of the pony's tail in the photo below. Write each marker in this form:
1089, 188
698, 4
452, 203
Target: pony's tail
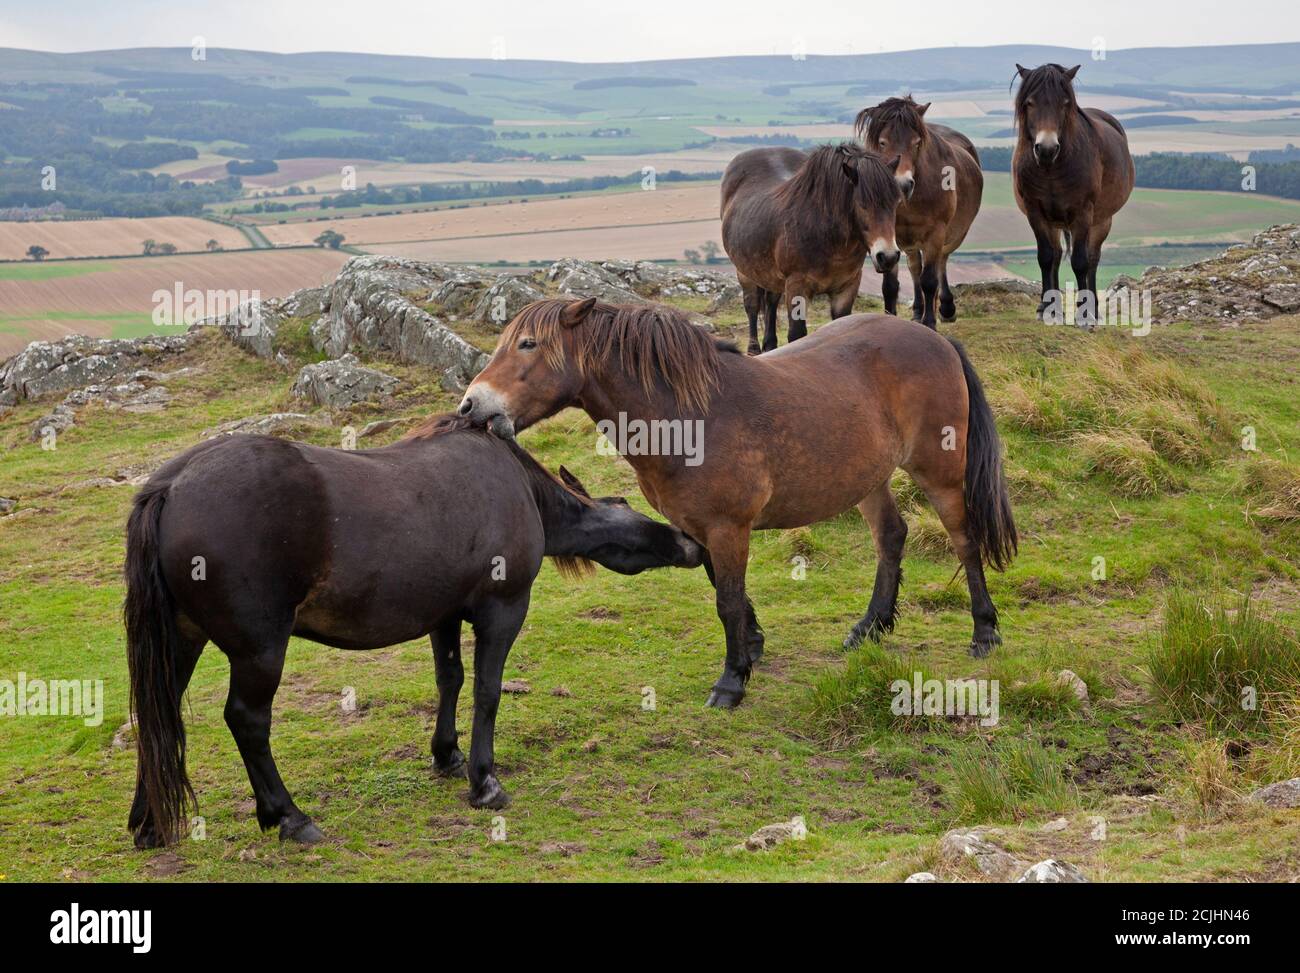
151, 643
989, 523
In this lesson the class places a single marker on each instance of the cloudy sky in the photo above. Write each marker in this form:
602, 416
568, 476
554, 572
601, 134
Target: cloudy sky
619, 30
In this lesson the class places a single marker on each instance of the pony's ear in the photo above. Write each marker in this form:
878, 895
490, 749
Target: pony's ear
572, 482
575, 312
893, 166
1073, 71
922, 109
1022, 71
850, 170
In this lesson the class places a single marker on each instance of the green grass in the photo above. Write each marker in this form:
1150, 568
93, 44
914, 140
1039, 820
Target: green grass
604, 789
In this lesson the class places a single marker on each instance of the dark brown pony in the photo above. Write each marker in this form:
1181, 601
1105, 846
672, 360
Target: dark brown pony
1071, 172
791, 437
939, 174
797, 226
248, 540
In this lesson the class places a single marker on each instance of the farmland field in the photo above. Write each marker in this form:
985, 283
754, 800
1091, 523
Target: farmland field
114, 237
114, 298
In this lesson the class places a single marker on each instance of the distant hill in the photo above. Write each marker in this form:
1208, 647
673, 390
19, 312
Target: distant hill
1242, 67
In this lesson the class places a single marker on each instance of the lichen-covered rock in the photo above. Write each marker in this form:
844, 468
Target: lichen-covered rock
1283, 794
342, 383
461, 292
920, 877
1051, 872
582, 278
960, 845
368, 310
49, 367
268, 425
1246, 282
504, 299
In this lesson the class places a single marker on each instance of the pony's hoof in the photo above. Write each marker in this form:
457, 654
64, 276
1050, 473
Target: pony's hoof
753, 350
947, 318
724, 698
490, 795
980, 648
300, 830
453, 766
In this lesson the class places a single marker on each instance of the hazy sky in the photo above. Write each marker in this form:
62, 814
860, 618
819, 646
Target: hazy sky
618, 30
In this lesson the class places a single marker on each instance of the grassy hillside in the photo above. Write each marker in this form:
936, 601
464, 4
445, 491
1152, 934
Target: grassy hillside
1117, 447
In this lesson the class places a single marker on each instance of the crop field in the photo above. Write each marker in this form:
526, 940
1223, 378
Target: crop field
1147, 776
114, 237
114, 298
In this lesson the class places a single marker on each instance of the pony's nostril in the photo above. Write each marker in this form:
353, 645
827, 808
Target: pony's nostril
466, 406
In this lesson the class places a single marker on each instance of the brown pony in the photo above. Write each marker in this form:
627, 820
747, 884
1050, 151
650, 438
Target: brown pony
789, 438
798, 225
939, 174
1071, 172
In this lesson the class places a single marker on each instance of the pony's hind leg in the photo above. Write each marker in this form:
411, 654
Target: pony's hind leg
496, 625
447, 758
947, 496
796, 312
254, 678
889, 532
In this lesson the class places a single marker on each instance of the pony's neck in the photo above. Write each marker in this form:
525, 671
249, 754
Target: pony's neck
620, 399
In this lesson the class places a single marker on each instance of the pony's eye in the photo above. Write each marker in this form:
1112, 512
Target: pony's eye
527, 344
884, 144
1029, 103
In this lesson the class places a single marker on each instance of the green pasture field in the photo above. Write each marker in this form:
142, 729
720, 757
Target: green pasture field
604, 788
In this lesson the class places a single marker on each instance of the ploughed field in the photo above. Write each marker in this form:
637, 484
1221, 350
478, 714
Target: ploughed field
1121, 448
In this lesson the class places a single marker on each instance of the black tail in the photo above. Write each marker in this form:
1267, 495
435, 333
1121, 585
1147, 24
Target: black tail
988, 507
151, 642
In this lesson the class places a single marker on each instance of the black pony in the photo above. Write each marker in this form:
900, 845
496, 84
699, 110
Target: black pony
248, 540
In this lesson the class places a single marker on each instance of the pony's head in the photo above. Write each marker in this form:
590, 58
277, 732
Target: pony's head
553, 348
895, 128
844, 185
1046, 109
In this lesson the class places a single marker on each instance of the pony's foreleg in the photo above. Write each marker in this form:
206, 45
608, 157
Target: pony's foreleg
796, 312
843, 299
771, 305
728, 555
1049, 258
495, 627
914, 267
947, 305
755, 301
1096, 238
1080, 264
889, 289
889, 532
254, 678
930, 256
447, 758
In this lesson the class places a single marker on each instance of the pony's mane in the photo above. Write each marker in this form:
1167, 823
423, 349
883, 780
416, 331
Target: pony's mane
654, 342
872, 122
548, 489
822, 190
1050, 80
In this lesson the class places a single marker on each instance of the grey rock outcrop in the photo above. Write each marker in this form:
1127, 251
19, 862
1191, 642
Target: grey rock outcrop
504, 299
341, 383
1052, 872
49, 367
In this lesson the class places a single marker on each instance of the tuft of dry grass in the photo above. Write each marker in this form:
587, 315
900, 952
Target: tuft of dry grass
1274, 485
1210, 780
1126, 458
1130, 412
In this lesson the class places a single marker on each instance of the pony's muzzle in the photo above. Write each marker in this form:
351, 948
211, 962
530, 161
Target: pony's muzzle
1045, 152
483, 407
885, 260
908, 185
